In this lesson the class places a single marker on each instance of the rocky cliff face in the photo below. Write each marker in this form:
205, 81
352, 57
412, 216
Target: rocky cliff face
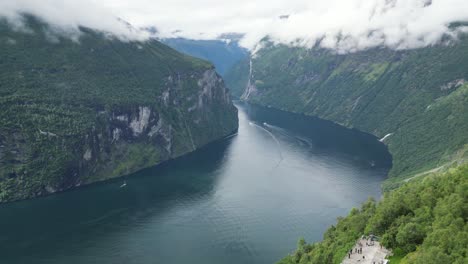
73, 113
126, 140
417, 98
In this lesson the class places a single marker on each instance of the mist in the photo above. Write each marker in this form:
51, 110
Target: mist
342, 25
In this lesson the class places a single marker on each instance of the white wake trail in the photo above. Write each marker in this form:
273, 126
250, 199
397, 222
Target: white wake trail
277, 143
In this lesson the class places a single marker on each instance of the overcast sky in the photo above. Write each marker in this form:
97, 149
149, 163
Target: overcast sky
342, 24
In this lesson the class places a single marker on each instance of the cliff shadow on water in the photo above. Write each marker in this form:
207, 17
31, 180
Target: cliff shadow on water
106, 210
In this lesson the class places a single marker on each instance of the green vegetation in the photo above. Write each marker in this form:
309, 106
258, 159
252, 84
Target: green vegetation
419, 96
76, 111
395, 259
237, 76
423, 221
376, 71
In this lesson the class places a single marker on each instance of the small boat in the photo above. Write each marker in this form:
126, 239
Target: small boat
124, 184
265, 123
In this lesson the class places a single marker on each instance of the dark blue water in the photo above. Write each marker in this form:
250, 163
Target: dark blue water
245, 199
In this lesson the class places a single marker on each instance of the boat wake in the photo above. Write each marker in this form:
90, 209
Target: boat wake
275, 139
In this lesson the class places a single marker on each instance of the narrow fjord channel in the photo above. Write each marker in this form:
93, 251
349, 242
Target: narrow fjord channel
245, 199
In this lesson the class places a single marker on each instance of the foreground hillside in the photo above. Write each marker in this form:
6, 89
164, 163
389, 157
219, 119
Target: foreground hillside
424, 221
79, 110
418, 98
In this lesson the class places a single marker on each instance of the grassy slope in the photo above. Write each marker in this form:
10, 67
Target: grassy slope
424, 221
379, 91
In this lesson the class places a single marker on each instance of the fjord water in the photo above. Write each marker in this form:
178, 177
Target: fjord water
244, 199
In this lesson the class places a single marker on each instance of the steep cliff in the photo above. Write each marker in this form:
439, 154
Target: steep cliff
76, 110
415, 100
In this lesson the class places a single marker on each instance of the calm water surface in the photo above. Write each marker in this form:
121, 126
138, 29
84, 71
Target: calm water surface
246, 199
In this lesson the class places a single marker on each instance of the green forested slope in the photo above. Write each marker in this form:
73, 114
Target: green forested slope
78, 111
424, 221
237, 77
419, 100
418, 96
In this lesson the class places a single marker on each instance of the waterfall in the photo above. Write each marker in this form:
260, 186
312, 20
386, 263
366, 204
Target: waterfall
250, 87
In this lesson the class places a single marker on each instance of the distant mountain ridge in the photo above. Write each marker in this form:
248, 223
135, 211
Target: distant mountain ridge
223, 53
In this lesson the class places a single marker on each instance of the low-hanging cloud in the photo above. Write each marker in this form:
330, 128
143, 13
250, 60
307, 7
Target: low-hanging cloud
343, 25
66, 16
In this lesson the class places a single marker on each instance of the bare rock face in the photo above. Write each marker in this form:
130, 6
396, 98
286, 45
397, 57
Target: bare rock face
144, 135
140, 122
87, 155
453, 84
124, 134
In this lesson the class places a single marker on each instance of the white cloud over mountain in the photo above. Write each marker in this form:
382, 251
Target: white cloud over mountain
344, 25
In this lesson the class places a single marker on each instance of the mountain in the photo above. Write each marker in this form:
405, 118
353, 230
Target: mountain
415, 100
79, 110
223, 53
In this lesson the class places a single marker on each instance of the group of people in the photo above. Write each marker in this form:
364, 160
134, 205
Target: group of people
369, 242
356, 250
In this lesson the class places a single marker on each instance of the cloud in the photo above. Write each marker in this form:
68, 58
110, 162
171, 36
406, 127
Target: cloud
343, 25
65, 17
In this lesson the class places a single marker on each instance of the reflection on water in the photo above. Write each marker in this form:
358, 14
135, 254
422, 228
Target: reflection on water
245, 199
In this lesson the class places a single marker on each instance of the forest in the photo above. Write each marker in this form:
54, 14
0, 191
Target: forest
423, 222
